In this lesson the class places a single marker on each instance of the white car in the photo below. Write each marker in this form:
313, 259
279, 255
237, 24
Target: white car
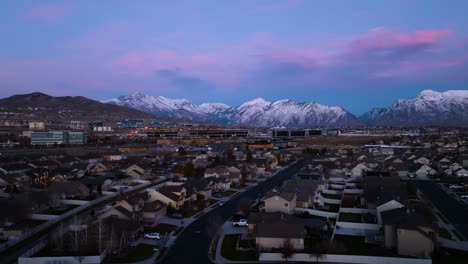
155, 236
454, 186
464, 196
241, 222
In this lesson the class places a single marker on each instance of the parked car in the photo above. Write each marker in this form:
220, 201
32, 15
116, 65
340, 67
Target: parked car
464, 196
155, 236
455, 186
241, 222
176, 216
221, 203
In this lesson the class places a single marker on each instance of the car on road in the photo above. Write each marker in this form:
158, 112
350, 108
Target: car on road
240, 222
455, 186
155, 236
221, 203
464, 196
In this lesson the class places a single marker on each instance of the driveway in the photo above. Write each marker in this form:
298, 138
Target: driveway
228, 229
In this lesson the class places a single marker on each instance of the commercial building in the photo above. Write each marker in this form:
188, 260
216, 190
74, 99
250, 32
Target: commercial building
37, 125
77, 138
295, 133
162, 132
58, 137
218, 133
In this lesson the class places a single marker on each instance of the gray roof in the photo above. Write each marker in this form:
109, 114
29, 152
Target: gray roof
280, 230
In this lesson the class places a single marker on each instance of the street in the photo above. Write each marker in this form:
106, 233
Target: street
453, 210
193, 243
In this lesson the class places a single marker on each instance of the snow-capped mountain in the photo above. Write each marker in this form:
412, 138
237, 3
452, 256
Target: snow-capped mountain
168, 108
257, 112
428, 108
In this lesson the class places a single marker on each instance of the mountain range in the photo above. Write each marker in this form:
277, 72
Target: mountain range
257, 112
428, 108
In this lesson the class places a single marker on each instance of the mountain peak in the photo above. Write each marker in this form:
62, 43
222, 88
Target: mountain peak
429, 95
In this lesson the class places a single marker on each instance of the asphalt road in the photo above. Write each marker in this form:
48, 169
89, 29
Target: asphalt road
193, 243
455, 211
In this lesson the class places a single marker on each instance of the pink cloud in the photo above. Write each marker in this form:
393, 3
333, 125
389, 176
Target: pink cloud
382, 38
48, 13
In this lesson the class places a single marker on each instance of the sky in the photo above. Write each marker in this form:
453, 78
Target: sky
356, 54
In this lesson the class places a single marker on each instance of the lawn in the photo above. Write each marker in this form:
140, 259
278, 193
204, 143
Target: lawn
230, 252
161, 228
349, 217
136, 254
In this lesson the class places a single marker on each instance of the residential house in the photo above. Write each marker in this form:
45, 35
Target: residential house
235, 176
425, 171
411, 231
304, 190
139, 171
95, 168
153, 211
171, 195
69, 189
359, 169
283, 201
216, 172
461, 173
273, 235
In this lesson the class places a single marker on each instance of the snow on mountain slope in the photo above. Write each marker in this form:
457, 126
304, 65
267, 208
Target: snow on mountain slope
429, 107
257, 112
166, 107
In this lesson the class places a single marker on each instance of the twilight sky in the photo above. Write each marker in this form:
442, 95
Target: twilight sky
357, 54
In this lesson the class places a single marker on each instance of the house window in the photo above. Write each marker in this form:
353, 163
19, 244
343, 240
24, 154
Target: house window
286, 204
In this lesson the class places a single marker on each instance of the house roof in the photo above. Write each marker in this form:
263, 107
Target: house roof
124, 211
288, 196
407, 217
154, 206
280, 230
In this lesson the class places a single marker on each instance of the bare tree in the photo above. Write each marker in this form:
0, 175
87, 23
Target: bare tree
319, 249
287, 249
